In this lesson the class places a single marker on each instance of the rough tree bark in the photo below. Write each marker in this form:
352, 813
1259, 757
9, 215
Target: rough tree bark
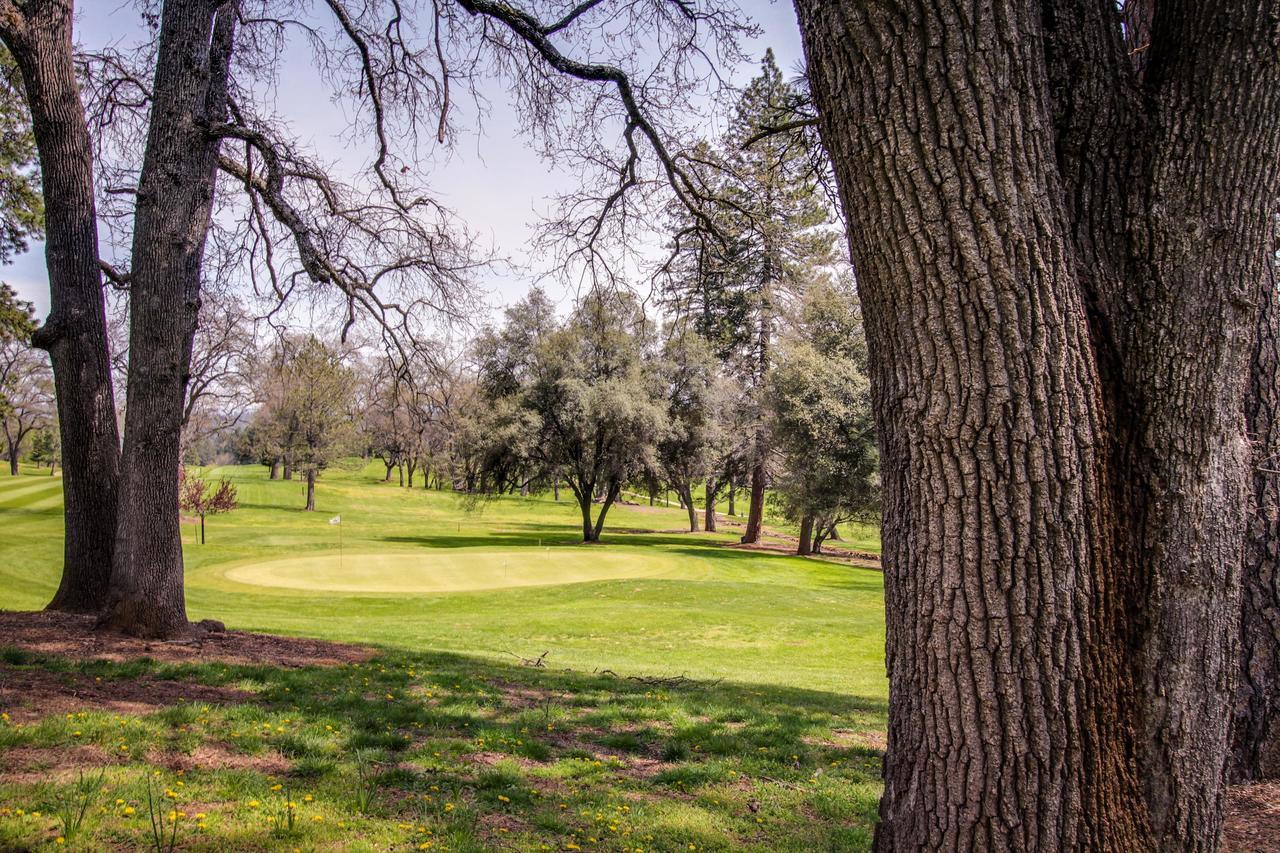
311, 490
755, 509
709, 506
38, 34
805, 547
275, 469
175, 199
1255, 737
1058, 264
685, 494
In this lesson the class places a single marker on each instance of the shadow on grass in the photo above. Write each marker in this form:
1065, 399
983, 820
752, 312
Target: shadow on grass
747, 715
533, 751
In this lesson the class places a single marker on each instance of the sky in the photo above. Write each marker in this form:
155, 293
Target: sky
491, 179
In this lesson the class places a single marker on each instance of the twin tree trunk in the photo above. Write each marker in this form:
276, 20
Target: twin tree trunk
685, 492
585, 493
755, 510
175, 200
1058, 261
38, 35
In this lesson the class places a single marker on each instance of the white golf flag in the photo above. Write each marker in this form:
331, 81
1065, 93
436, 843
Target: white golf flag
337, 519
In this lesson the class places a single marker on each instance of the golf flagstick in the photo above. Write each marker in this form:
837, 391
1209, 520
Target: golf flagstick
337, 519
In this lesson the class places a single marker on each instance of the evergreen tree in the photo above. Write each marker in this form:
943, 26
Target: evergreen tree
766, 242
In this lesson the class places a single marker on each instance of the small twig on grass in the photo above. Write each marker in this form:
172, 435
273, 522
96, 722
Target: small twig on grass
539, 661
680, 680
793, 786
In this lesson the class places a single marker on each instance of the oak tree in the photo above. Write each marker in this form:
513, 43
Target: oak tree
1059, 238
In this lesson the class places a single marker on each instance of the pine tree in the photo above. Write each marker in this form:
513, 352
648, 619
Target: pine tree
770, 237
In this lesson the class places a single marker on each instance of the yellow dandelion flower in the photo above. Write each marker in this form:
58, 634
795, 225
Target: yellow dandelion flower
129, 810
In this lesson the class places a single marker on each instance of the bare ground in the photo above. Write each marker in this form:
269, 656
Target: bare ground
73, 636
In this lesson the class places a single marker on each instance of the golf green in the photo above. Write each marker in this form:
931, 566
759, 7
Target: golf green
453, 570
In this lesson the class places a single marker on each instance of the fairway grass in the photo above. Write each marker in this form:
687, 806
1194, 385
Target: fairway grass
435, 571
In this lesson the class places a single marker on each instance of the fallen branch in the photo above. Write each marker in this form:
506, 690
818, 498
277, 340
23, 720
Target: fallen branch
660, 681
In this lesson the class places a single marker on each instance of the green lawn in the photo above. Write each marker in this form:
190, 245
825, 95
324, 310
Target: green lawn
779, 754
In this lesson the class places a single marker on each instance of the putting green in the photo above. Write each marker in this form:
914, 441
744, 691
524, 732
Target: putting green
455, 570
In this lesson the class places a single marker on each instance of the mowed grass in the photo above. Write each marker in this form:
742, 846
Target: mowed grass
445, 739
692, 606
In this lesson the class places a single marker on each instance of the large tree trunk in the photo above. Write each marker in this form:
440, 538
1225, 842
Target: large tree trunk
288, 468
686, 497
805, 548
583, 493
821, 533
709, 510
275, 469
75, 334
1059, 295
311, 490
1256, 727
171, 223
610, 495
755, 510
13, 458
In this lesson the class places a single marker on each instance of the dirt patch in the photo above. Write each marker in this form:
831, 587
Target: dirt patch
29, 695
213, 755
520, 697
852, 738
495, 825
73, 636
492, 759
1253, 819
32, 764
832, 553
